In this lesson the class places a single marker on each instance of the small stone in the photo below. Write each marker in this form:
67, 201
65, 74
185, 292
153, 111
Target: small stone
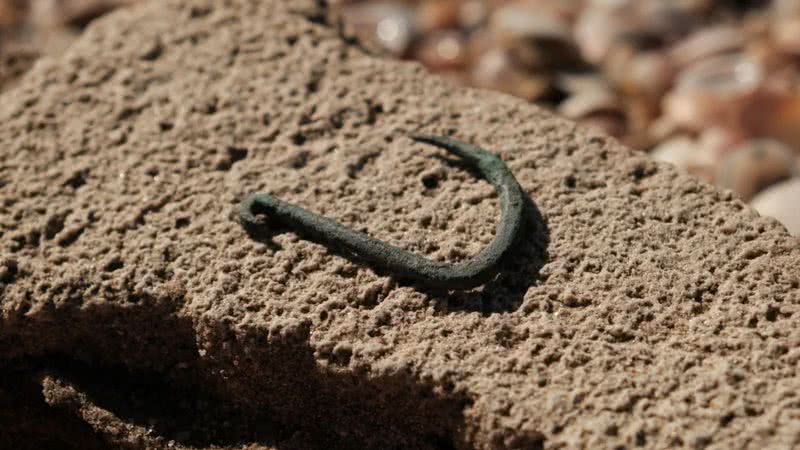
520, 21
537, 39
695, 7
681, 151
775, 114
472, 13
12, 13
783, 8
71, 12
646, 73
390, 26
443, 50
395, 33
573, 83
714, 92
725, 74
755, 165
718, 142
607, 123
587, 102
781, 201
438, 14
786, 35
705, 43
662, 21
596, 31
495, 69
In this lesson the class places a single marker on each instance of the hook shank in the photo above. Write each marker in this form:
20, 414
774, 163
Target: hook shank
463, 275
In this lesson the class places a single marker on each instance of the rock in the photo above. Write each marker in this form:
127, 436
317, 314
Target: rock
444, 50
775, 114
714, 92
517, 20
683, 152
755, 165
608, 123
707, 42
435, 15
496, 69
785, 8
12, 13
390, 26
49, 13
597, 30
573, 83
647, 74
786, 35
587, 102
718, 142
632, 290
781, 201
472, 13
536, 38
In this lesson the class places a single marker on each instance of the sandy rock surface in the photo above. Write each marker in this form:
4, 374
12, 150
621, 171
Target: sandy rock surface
642, 308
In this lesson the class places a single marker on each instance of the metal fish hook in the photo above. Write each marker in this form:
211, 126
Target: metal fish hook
399, 262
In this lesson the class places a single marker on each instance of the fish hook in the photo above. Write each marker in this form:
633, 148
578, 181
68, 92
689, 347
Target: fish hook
401, 263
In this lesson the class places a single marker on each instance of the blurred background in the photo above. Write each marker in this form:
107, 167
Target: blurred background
711, 86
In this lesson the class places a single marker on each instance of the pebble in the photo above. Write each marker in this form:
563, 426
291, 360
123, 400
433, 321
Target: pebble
596, 30
706, 43
682, 151
775, 115
646, 73
434, 15
12, 13
714, 91
605, 123
781, 201
71, 12
496, 70
537, 39
584, 103
517, 21
391, 26
786, 35
443, 50
472, 13
756, 165
578, 82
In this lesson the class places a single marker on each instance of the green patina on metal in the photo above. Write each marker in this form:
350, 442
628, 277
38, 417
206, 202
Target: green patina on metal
401, 263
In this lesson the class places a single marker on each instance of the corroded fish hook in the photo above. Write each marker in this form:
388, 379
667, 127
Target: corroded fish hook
399, 262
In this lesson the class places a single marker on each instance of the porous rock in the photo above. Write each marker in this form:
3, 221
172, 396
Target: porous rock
641, 307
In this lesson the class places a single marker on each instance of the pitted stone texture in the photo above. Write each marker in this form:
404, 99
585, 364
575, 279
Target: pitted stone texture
647, 309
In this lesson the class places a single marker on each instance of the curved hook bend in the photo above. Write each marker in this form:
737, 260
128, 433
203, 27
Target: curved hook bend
463, 275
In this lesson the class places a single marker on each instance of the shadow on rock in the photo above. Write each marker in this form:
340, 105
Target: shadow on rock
150, 405
28, 423
519, 269
274, 380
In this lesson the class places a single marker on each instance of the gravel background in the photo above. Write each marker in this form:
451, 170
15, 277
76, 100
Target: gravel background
643, 308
